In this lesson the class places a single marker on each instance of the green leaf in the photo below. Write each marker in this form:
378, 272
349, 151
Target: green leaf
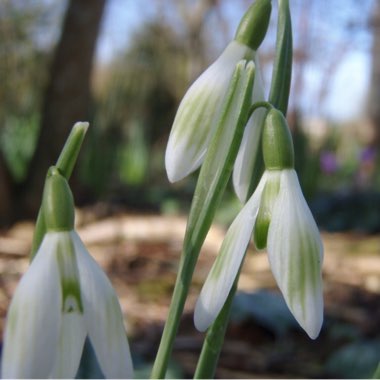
282, 67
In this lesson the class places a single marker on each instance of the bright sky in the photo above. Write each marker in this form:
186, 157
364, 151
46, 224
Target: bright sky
348, 90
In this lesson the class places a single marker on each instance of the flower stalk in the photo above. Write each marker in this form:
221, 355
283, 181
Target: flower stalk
278, 97
213, 178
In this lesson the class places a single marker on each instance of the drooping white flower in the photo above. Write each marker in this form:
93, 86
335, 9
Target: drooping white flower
295, 253
61, 299
199, 111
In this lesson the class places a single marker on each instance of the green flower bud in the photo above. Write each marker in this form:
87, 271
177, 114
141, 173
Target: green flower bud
254, 24
57, 202
277, 142
264, 215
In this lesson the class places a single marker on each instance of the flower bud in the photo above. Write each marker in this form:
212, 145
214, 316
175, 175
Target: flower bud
277, 142
57, 202
254, 24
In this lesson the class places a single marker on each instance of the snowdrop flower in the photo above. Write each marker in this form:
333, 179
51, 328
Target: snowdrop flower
199, 110
281, 221
61, 299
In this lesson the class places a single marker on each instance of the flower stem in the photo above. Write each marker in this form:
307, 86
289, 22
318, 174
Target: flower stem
282, 66
213, 343
376, 374
213, 178
186, 269
279, 96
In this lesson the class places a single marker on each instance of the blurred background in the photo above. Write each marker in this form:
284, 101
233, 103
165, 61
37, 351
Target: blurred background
124, 65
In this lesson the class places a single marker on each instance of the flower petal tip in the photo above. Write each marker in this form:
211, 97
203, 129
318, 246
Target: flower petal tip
313, 329
177, 164
203, 318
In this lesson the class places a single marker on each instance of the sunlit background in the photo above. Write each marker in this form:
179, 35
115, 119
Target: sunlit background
124, 66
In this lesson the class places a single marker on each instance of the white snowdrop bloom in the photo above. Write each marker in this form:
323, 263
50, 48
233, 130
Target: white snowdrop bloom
199, 112
280, 220
61, 299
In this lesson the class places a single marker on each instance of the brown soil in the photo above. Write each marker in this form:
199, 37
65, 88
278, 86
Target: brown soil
140, 255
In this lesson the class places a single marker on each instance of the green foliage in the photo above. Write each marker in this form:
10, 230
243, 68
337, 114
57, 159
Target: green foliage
134, 157
27, 33
17, 141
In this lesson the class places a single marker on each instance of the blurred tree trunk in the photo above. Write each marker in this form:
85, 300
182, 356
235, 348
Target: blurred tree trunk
374, 98
67, 97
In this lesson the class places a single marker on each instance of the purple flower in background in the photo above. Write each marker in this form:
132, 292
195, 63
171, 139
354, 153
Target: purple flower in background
368, 155
328, 162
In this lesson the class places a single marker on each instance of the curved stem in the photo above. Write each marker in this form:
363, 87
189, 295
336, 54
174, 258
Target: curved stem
255, 106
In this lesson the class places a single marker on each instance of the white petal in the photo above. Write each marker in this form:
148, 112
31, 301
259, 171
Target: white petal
226, 266
71, 342
295, 253
103, 317
197, 114
34, 318
245, 160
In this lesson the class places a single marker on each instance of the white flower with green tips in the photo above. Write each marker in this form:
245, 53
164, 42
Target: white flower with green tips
280, 220
63, 298
199, 111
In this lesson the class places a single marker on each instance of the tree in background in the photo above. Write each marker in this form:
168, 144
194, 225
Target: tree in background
67, 99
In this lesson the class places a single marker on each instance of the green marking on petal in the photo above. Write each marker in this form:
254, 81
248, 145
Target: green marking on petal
223, 260
304, 268
69, 275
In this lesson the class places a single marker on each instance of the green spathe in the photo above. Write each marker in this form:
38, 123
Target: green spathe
277, 142
254, 24
57, 202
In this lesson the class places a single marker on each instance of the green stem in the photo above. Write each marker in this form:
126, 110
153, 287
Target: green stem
255, 106
213, 342
279, 96
282, 66
281, 78
183, 281
213, 178
376, 374
65, 163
